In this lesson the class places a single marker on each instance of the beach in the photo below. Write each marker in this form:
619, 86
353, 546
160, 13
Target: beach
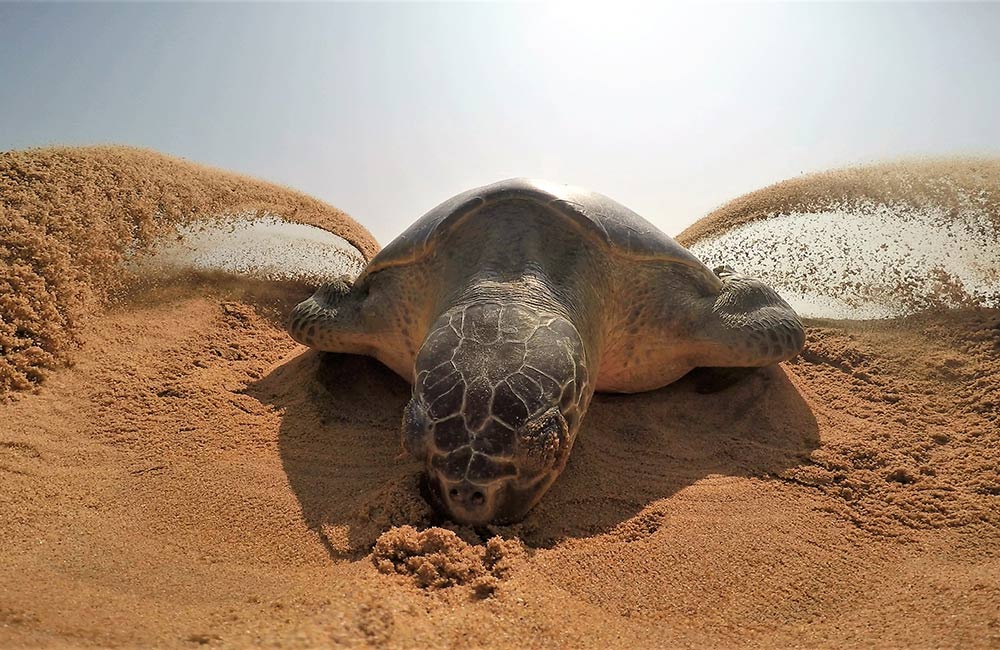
177, 472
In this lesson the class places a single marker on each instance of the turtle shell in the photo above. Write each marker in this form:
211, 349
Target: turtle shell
624, 232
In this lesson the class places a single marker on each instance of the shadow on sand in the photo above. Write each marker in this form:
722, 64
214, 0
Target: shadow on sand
340, 447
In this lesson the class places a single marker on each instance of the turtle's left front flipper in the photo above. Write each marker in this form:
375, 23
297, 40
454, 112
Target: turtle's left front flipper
331, 320
747, 325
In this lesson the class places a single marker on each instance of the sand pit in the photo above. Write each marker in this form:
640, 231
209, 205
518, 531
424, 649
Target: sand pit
195, 478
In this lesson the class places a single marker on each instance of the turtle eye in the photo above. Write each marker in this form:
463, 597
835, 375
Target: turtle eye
541, 440
416, 426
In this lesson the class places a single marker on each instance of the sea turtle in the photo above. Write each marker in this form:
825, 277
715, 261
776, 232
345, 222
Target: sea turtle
507, 306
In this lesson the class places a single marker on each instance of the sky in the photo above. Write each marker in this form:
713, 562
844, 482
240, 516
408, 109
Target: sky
385, 110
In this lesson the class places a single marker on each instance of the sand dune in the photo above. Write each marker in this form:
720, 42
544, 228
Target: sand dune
197, 478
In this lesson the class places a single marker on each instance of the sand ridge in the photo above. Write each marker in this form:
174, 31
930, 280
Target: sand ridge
871, 242
952, 184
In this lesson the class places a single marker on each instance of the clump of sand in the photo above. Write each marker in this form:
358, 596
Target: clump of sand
197, 478
438, 558
70, 217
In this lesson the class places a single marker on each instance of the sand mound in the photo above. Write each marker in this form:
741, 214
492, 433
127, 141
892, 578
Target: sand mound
196, 478
870, 242
438, 558
71, 217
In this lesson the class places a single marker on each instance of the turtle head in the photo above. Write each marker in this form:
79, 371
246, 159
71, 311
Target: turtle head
498, 395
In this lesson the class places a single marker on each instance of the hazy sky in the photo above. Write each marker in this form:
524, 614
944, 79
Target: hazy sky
386, 110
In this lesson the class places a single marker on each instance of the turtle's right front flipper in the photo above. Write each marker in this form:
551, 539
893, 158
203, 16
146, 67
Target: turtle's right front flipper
747, 325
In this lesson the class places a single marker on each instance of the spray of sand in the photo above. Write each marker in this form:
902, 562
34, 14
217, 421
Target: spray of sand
73, 220
872, 242
261, 247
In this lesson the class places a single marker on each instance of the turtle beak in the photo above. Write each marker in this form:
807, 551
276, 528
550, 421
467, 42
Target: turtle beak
467, 502
462, 501
476, 505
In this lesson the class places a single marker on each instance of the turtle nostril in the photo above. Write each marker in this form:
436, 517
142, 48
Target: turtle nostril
465, 498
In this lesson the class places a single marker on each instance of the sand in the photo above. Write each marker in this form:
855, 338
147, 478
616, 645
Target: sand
195, 478
70, 218
870, 242
951, 184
